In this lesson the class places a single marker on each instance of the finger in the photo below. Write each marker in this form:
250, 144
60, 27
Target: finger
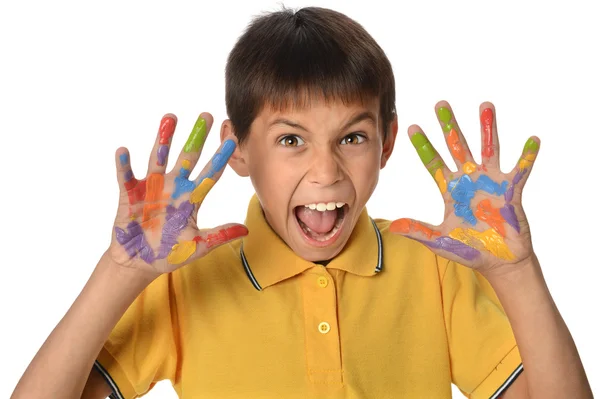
414, 229
430, 157
160, 152
457, 144
212, 171
124, 172
205, 242
190, 153
523, 169
430, 235
490, 146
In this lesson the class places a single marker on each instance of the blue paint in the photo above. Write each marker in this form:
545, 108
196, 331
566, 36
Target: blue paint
124, 159
221, 158
218, 162
463, 190
182, 184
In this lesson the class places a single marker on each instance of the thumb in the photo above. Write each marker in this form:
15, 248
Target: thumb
205, 241
414, 229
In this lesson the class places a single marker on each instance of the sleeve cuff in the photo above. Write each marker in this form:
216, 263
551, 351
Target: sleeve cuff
501, 376
114, 375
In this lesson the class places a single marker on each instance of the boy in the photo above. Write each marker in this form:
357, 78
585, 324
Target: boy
312, 298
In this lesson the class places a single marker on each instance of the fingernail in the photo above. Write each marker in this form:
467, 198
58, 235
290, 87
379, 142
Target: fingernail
197, 136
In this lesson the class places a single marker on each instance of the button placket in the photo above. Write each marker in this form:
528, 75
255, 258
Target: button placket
321, 331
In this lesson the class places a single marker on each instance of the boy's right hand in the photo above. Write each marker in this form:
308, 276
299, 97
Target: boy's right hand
155, 228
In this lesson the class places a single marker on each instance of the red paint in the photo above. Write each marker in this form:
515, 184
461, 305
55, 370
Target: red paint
136, 190
492, 216
487, 120
166, 130
222, 236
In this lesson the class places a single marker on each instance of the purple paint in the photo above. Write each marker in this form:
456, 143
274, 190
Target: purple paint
177, 219
162, 153
508, 195
134, 242
128, 175
451, 245
508, 213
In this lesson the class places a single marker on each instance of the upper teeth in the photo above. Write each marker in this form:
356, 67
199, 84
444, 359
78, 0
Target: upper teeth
322, 206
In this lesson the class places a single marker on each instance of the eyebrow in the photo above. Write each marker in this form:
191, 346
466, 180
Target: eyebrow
367, 115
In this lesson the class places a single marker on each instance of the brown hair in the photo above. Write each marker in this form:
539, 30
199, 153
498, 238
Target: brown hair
286, 58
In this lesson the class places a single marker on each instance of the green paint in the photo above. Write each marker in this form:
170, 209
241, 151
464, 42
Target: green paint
424, 148
197, 137
531, 146
445, 116
434, 166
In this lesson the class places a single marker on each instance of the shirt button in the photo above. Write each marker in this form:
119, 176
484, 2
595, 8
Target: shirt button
324, 327
322, 281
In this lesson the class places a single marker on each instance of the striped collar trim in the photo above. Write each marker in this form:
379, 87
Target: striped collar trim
340, 262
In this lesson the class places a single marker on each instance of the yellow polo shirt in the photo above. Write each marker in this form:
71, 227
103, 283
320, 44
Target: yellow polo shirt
385, 319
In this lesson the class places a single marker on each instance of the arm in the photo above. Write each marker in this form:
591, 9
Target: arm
73, 345
551, 363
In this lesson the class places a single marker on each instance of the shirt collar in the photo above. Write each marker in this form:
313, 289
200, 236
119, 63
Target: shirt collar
267, 259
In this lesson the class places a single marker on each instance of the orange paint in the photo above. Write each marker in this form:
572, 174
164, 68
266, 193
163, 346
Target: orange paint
407, 226
222, 236
487, 121
487, 213
456, 147
152, 203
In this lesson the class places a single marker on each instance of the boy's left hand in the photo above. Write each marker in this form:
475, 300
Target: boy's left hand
484, 225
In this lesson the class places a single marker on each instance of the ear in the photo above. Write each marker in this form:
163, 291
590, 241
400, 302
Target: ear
236, 161
388, 144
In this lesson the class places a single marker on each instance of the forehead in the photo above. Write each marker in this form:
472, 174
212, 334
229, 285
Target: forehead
320, 108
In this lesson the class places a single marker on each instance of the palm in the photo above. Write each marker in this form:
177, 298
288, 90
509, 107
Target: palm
484, 223
155, 228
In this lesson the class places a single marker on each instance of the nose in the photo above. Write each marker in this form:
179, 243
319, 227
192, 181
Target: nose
325, 169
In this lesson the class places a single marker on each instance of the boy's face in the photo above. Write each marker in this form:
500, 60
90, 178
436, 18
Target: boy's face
326, 156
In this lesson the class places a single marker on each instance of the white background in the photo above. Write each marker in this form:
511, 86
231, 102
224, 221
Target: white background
79, 80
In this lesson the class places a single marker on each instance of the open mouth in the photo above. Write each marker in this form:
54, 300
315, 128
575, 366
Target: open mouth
319, 223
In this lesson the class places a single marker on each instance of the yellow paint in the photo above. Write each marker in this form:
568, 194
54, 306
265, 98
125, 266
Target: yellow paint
488, 240
186, 164
469, 167
200, 192
441, 181
181, 252
526, 161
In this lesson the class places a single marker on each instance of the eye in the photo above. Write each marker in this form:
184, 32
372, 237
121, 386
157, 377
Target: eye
291, 141
353, 138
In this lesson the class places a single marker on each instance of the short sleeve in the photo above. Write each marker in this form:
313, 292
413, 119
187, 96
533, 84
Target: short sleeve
484, 357
142, 348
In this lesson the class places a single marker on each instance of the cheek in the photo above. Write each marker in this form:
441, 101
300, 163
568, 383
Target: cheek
274, 181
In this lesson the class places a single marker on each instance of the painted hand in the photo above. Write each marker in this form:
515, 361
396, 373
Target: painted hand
155, 228
484, 223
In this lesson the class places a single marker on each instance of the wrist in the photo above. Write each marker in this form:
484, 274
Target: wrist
136, 277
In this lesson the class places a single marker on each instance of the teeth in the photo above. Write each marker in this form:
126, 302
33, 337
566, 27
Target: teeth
322, 206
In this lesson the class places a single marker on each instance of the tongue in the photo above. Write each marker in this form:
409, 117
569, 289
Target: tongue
319, 222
